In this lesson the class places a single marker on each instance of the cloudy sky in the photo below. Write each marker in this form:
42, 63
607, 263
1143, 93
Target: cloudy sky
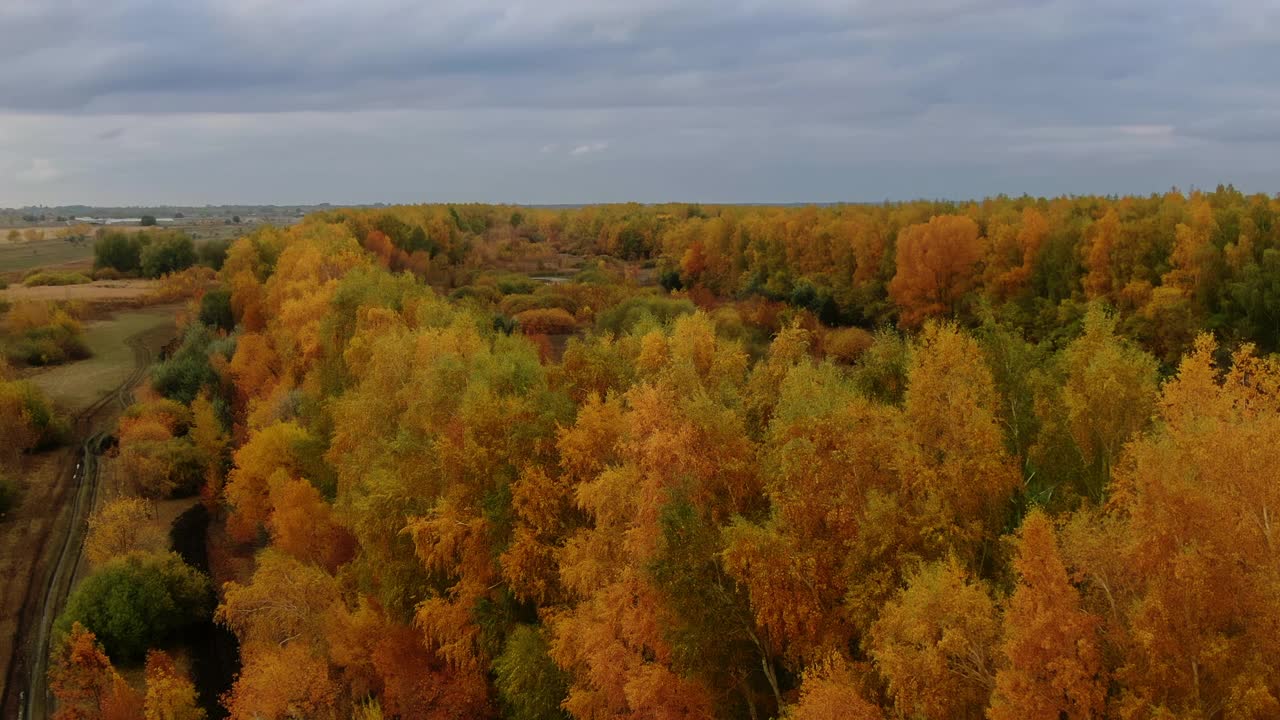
560, 101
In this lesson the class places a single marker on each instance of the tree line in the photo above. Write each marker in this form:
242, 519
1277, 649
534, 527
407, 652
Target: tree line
920, 460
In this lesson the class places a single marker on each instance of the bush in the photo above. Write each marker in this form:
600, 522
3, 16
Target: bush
55, 278
516, 304
168, 252
171, 468
42, 334
549, 321
182, 376
213, 253
845, 345
117, 250
138, 602
479, 293
215, 310
107, 273
624, 316
516, 285
147, 221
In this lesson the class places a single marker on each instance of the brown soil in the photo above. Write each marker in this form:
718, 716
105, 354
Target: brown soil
23, 535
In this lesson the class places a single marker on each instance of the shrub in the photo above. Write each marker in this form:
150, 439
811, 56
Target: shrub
846, 345
137, 602
516, 285
215, 310
213, 253
41, 333
163, 468
56, 278
479, 293
168, 252
182, 376
624, 316
117, 250
516, 304
107, 273
549, 321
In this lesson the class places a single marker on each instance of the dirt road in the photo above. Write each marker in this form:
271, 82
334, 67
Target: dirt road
40, 547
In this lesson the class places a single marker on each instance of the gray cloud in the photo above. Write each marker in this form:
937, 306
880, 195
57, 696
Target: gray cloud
560, 101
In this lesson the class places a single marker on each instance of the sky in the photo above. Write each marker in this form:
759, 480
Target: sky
137, 102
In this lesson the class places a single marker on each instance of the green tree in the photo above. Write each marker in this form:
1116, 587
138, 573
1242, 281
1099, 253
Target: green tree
117, 250
529, 684
137, 602
168, 253
215, 310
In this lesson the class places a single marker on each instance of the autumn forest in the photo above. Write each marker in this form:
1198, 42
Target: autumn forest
1003, 459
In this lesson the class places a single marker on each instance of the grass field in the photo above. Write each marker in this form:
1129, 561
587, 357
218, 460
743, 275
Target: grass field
101, 292
22, 256
77, 385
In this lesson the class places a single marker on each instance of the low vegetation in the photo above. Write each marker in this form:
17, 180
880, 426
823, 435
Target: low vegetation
42, 333
28, 421
46, 277
149, 254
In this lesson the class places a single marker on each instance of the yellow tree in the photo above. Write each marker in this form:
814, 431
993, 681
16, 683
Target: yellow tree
958, 471
122, 526
830, 691
814, 571
936, 267
85, 684
270, 455
1195, 258
281, 618
1108, 395
16, 425
1196, 499
1102, 241
678, 445
211, 440
936, 645
1014, 252
170, 695
1053, 662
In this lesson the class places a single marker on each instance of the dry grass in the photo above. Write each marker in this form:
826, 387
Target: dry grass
22, 256
101, 291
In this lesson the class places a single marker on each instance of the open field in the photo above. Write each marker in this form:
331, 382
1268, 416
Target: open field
102, 291
18, 257
77, 385
22, 256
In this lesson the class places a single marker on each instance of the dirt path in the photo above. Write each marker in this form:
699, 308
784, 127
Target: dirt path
40, 546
